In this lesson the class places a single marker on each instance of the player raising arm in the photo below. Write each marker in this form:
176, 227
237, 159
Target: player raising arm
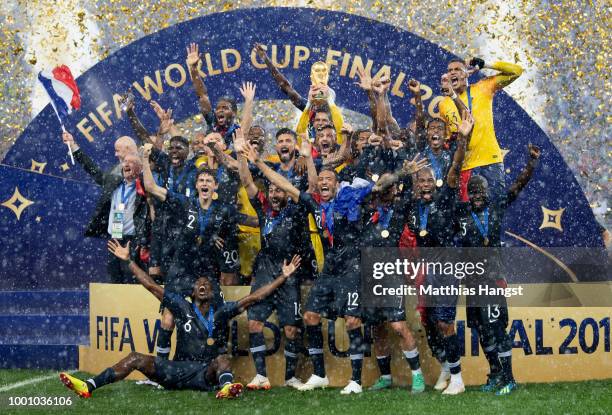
195, 375
431, 221
296, 99
479, 224
483, 155
336, 292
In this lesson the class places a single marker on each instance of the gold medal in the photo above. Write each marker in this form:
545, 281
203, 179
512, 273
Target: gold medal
486, 241
375, 178
210, 341
423, 232
439, 182
215, 196
200, 162
325, 234
384, 233
199, 240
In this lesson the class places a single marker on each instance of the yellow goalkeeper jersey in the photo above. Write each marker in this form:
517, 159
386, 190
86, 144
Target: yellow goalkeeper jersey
483, 148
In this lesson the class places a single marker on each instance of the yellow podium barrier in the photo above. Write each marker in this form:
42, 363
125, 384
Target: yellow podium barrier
551, 343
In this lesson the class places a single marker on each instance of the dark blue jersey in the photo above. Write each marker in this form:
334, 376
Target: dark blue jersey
195, 251
339, 222
439, 163
373, 161
432, 223
282, 234
182, 180
193, 334
226, 132
383, 225
467, 222
300, 182
482, 229
228, 182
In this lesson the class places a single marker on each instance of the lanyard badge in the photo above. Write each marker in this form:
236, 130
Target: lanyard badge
118, 215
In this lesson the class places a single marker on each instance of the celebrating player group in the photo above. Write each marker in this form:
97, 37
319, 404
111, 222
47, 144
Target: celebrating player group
195, 213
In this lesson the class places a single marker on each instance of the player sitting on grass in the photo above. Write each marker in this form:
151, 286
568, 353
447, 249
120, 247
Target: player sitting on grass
200, 321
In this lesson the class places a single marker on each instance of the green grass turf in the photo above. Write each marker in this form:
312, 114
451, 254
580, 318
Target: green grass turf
590, 397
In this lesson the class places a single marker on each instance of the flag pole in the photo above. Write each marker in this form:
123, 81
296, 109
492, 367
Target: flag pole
68, 144
63, 128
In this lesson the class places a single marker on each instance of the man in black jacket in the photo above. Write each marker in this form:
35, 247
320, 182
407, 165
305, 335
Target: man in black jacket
122, 210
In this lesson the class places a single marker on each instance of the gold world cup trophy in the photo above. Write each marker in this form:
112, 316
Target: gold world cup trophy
319, 75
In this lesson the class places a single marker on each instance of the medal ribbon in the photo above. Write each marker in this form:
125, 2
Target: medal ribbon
423, 216
203, 219
327, 211
125, 197
176, 181
208, 323
437, 167
483, 229
272, 221
219, 173
384, 216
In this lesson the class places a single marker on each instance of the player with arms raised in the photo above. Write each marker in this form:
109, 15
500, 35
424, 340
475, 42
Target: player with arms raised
478, 224
203, 326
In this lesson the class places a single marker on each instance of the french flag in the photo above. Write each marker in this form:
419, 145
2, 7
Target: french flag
62, 90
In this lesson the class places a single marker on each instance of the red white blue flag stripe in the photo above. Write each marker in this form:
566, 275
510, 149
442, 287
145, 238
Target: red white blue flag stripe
62, 90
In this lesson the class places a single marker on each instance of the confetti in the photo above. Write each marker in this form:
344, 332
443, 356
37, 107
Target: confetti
564, 47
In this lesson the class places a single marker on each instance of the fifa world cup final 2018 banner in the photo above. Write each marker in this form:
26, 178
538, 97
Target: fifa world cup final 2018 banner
550, 344
45, 202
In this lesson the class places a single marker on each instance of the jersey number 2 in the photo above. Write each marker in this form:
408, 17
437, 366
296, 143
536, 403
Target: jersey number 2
191, 219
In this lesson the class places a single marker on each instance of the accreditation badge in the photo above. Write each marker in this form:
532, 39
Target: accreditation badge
117, 222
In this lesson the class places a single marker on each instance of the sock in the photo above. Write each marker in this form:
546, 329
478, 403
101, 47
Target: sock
315, 349
384, 365
456, 378
291, 358
493, 359
107, 376
444, 367
412, 356
163, 343
356, 353
258, 350
504, 353
453, 356
225, 378
506, 363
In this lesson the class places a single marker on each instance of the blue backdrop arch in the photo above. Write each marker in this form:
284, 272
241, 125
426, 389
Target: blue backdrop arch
46, 202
